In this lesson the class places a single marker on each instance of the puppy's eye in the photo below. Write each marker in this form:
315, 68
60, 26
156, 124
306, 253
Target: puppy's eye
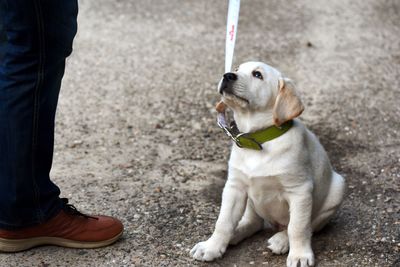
257, 74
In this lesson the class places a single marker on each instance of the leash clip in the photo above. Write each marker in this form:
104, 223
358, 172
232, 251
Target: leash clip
242, 140
230, 131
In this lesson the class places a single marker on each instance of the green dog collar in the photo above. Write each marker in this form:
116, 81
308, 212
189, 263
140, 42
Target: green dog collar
255, 139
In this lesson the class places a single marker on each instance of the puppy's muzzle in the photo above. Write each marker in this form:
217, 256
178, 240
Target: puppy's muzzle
227, 81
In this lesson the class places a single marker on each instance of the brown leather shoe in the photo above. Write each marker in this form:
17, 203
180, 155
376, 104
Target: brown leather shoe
69, 228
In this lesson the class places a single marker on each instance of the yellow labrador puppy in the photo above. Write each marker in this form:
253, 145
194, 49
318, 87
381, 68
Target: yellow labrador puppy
278, 171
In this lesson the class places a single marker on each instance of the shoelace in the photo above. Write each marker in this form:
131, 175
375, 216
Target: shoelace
69, 208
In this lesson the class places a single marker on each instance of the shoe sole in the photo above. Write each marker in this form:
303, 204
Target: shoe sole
16, 245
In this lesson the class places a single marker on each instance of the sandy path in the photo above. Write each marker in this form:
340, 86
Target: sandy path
136, 132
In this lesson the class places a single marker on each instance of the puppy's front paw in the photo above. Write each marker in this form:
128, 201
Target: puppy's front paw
207, 251
304, 258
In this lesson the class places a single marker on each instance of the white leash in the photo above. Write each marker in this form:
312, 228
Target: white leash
231, 32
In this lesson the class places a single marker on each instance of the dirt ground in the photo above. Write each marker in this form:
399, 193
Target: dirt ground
137, 138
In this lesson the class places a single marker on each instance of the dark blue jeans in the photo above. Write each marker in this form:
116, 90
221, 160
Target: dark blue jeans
35, 39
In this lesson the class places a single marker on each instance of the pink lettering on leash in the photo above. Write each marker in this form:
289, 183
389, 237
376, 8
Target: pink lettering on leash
232, 32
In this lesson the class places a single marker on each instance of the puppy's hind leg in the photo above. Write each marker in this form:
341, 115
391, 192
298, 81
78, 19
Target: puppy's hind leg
332, 202
279, 243
248, 225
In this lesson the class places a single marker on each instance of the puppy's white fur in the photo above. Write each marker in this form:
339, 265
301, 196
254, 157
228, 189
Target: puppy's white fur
290, 183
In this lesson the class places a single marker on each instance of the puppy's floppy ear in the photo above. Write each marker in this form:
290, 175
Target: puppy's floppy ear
287, 104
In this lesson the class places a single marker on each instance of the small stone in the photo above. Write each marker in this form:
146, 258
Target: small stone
387, 199
158, 190
76, 143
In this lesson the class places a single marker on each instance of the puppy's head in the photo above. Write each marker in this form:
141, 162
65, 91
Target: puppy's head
257, 87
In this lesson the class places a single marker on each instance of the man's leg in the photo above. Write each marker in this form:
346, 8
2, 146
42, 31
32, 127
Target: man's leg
35, 39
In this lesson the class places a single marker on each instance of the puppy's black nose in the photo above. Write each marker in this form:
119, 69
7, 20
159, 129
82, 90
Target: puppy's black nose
227, 81
229, 76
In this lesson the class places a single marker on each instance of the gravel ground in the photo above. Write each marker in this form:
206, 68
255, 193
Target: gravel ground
137, 138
